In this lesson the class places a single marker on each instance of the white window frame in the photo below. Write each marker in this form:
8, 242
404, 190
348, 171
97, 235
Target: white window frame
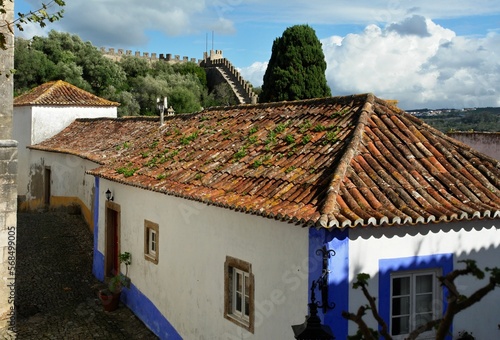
242, 316
436, 300
151, 241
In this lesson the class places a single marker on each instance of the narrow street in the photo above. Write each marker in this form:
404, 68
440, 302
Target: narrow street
56, 292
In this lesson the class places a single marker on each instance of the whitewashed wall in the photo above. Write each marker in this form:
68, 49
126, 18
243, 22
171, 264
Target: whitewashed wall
48, 121
68, 179
187, 284
34, 124
476, 240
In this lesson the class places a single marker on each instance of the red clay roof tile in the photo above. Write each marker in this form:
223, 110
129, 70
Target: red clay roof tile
59, 92
332, 162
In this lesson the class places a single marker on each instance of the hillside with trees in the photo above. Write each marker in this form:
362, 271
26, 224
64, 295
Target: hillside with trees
485, 119
133, 82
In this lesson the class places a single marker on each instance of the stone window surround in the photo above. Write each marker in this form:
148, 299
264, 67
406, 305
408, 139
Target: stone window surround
229, 264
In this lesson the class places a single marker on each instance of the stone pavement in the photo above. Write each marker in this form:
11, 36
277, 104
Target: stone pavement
56, 292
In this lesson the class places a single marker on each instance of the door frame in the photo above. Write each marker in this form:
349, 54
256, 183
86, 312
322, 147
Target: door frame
47, 174
111, 235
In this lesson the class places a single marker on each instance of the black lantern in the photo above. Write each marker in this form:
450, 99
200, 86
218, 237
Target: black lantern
312, 329
109, 195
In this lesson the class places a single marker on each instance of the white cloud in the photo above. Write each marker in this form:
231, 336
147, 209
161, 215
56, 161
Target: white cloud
437, 69
434, 69
254, 73
127, 22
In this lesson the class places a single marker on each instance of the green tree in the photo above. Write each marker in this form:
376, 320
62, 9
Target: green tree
297, 67
62, 56
135, 67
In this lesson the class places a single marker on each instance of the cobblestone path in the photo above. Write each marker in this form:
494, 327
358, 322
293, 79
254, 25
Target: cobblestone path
56, 292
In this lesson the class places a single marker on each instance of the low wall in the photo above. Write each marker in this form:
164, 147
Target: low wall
485, 142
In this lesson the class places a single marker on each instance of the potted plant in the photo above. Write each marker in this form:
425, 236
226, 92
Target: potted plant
110, 297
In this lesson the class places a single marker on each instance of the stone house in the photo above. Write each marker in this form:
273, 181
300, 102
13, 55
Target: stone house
227, 214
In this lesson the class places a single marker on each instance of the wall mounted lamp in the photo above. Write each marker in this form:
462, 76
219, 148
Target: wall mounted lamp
312, 328
109, 195
322, 281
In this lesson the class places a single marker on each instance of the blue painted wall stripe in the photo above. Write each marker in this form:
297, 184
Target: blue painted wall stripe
145, 310
338, 278
388, 266
98, 260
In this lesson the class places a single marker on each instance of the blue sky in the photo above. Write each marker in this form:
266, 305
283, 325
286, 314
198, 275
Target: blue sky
423, 53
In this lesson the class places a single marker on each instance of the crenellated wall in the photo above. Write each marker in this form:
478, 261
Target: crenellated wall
242, 88
116, 55
218, 69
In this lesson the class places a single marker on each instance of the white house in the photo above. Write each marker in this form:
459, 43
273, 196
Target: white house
43, 112
227, 214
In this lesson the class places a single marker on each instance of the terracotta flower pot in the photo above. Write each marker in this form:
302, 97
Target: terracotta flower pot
109, 300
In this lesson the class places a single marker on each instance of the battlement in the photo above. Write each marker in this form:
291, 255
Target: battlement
218, 61
116, 55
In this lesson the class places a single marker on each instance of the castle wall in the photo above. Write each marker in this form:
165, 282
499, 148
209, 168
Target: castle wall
117, 55
239, 84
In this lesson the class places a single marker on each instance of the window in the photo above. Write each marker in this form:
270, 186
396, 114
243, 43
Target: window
239, 293
410, 293
413, 300
151, 241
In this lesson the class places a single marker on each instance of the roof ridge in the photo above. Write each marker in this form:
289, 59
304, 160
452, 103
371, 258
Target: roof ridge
327, 218
53, 85
321, 100
60, 93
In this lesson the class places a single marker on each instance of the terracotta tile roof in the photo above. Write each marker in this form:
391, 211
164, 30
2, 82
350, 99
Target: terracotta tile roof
56, 93
333, 162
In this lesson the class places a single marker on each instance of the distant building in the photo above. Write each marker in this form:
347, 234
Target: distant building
40, 114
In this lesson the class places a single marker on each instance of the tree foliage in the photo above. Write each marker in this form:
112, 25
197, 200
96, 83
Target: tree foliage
133, 82
66, 57
457, 302
297, 67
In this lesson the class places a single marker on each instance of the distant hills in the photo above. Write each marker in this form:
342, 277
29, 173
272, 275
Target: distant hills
480, 119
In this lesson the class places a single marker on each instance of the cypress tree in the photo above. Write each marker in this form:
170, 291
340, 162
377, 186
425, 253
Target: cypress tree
297, 67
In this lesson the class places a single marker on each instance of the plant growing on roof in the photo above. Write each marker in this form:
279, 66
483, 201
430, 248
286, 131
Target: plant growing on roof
331, 136
289, 139
242, 152
306, 139
126, 171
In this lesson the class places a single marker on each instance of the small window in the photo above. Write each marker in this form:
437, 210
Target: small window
239, 293
151, 241
414, 297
